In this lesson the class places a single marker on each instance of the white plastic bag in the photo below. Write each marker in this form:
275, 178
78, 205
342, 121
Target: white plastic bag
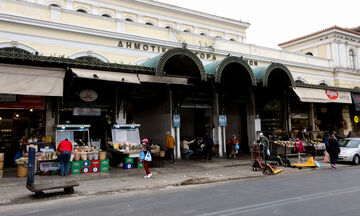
148, 156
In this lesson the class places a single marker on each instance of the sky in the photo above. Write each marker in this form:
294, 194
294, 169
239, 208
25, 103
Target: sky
276, 21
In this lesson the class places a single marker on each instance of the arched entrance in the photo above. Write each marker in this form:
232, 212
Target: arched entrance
234, 80
191, 102
272, 96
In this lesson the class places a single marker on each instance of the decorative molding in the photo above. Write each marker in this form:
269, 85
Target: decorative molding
89, 53
180, 51
237, 60
19, 46
274, 66
301, 79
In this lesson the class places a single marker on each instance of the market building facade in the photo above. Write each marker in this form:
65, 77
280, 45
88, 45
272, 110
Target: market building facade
153, 64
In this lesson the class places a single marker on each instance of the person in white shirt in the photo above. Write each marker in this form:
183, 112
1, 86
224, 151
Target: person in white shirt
186, 142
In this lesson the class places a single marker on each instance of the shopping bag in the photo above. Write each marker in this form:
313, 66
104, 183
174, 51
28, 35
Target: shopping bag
318, 164
141, 156
327, 158
267, 152
237, 146
148, 156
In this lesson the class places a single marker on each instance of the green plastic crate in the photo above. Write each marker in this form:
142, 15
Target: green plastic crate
129, 160
75, 171
140, 165
104, 163
104, 169
75, 164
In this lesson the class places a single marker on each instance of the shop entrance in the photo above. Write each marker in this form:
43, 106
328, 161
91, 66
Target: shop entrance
195, 122
237, 119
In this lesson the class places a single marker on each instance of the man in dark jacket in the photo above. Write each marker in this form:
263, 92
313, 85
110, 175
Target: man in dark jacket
333, 150
209, 144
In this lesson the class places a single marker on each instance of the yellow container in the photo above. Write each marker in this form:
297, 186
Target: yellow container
21, 171
2, 157
1, 165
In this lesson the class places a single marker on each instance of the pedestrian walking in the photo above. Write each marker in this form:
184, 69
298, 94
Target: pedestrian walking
333, 150
147, 151
65, 149
299, 147
169, 147
209, 144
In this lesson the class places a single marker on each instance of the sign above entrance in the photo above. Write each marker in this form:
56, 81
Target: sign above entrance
26, 102
322, 96
88, 95
86, 111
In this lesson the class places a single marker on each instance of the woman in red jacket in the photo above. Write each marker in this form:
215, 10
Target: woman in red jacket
299, 147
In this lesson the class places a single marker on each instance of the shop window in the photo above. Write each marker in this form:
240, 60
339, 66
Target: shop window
352, 59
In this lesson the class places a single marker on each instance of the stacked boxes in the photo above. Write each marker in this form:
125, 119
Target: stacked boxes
139, 164
104, 165
94, 166
128, 163
76, 167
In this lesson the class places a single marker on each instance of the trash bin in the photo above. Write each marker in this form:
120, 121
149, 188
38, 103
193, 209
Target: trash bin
21, 170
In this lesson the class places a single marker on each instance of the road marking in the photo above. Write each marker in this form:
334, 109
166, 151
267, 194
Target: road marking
277, 203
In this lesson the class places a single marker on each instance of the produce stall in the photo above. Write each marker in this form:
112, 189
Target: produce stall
125, 147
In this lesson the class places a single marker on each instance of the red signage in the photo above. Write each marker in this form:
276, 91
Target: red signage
26, 102
333, 95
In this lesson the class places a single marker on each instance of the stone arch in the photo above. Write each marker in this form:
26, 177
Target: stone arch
17, 45
263, 74
85, 54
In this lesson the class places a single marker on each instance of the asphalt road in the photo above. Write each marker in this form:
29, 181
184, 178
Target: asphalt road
326, 192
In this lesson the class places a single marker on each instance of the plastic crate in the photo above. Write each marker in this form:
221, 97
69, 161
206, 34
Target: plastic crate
104, 169
76, 164
129, 160
75, 171
94, 169
128, 166
85, 170
95, 163
104, 163
86, 163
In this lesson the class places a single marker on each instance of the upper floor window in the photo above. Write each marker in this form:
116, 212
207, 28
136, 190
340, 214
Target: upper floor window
187, 30
232, 39
323, 84
129, 20
218, 36
106, 15
352, 58
203, 34
81, 10
299, 82
149, 23
309, 54
55, 5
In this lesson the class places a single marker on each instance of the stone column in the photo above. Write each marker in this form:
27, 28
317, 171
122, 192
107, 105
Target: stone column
251, 112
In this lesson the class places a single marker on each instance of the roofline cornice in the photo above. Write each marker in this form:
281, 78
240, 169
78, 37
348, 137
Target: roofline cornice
116, 35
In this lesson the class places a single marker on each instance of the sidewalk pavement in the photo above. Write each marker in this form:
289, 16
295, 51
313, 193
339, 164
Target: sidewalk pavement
185, 172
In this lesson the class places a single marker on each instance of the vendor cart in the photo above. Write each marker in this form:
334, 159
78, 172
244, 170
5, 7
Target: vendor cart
38, 188
77, 134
